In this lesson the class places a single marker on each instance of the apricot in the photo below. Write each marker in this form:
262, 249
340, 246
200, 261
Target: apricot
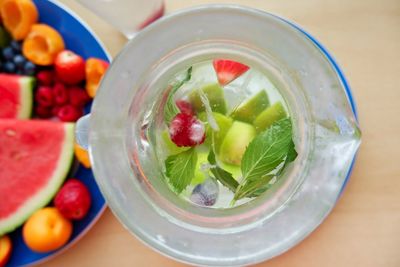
5, 249
18, 17
42, 44
94, 69
46, 230
82, 155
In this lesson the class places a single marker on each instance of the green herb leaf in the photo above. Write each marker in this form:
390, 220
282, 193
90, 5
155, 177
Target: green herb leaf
292, 154
224, 177
253, 188
180, 169
264, 153
267, 150
170, 109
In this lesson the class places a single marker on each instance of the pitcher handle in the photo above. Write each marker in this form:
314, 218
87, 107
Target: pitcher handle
82, 131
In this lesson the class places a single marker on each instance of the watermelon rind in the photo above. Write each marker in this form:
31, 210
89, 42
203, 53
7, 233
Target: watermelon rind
26, 97
46, 194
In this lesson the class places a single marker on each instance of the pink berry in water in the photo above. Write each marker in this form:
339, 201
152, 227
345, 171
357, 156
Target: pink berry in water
60, 94
44, 96
78, 96
186, 130
45, 77
185, 107
69, 113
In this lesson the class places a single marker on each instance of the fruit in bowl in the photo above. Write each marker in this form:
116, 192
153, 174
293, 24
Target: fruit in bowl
43, 91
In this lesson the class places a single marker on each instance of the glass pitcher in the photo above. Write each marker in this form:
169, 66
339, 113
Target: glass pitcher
326, 135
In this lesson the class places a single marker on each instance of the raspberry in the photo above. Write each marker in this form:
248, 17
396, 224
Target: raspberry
45, 77
60, 94
55, 110
43, 112
69, 113
44, 96
185, 107
186, 130
78, 96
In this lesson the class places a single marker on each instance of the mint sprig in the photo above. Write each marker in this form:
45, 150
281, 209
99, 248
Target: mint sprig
224, 177
264, 154
180, 169
170, 109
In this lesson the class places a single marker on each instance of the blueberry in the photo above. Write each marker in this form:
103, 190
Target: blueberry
29, 68
16, 46
19, 61
8, 53
9, 67
205, 194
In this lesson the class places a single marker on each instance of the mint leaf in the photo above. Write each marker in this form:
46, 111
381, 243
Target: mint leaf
224, 177
253, 188
267, 150
180, 169
170, 109
264, 153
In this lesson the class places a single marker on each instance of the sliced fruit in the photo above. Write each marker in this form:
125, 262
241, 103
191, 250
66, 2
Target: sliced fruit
269, 116
215, 95
228, 70
200, 175
18, 17
235, 142
94, 69
223, 122
170, 146
16, 96
250, 109
46, 230
23, 143
70, 67
186, 130
42, 44
5, 37
82, 155
5, 249
73, 200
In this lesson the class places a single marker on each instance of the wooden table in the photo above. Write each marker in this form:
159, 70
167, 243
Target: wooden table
364, 228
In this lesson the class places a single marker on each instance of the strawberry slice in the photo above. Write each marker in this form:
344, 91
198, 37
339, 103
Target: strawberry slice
228, 70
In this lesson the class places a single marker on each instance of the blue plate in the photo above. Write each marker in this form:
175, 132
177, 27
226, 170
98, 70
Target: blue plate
80, 39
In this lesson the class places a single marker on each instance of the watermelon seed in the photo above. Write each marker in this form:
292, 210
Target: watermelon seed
10, 132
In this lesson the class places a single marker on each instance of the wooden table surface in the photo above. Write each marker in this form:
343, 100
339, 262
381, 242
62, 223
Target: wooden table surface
364, 227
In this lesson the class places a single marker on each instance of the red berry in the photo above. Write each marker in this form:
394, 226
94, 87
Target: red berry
45, 77
69, 113
185, 107
78, 96
73, 200
44, 96
186, 130
70, 67
60, 94
55, 110
43, 112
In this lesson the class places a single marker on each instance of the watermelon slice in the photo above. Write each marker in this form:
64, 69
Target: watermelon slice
16, 96
35, 157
